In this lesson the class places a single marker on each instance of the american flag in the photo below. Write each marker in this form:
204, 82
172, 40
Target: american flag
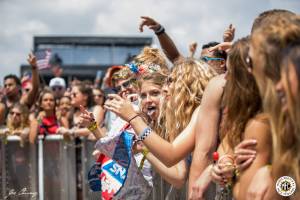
43, 58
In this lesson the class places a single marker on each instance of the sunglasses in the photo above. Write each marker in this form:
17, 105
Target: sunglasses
126, 84
98, 95
58, 88
206, 59
15, 113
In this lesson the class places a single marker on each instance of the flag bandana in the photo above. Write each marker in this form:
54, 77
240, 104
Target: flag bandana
116, 173
112, 172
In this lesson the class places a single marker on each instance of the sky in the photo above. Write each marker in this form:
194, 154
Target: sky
185, 21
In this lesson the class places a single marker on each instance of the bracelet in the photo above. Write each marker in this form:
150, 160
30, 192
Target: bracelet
145, 152
144, 134
93, 126
133, 118
160, 31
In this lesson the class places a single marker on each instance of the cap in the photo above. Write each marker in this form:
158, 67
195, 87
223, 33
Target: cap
57, 81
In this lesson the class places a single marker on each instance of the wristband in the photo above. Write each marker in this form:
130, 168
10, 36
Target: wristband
160, 31
93, 126
133, 118
144, 134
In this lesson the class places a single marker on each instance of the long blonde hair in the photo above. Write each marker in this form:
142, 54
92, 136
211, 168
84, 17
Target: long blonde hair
24, 118
288, 137
270, 40
190, 77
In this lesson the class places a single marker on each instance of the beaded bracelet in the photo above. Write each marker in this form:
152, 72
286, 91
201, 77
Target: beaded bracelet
144, 134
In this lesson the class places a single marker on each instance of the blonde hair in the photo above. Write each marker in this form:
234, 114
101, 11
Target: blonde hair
190, 77
269, 41
157, 78
288, 134
154, 56
24, 118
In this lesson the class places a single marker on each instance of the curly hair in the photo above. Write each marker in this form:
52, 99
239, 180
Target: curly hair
190, 77
241, 95
151, 55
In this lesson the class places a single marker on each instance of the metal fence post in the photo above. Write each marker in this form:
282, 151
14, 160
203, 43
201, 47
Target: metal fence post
41, 167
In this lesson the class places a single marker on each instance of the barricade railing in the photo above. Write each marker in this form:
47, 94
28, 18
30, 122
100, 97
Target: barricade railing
49, 170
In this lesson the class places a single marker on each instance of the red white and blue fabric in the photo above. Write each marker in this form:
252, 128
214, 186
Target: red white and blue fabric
116, 169
43, 58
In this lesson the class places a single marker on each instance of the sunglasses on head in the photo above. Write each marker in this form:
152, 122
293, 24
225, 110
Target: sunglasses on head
126, 84
206, 59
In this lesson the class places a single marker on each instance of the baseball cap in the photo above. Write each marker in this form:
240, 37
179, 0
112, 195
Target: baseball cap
57, 81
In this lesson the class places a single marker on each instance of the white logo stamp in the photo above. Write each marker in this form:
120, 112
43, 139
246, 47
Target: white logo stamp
285, 186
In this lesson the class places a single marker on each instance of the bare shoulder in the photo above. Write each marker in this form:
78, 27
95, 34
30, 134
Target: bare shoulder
213, 92
217, 81
259, 128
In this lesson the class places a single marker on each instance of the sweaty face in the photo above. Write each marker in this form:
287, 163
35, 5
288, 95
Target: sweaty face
151, 95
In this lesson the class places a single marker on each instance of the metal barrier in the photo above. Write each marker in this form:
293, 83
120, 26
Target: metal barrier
18, 169
47, 171
58, 167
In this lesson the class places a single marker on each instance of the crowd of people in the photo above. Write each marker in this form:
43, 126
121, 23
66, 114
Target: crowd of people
226, 122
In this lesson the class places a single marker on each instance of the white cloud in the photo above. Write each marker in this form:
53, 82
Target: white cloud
185, 21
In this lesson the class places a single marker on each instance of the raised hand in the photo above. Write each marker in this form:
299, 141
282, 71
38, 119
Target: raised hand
228, 35
86, 118
32, 60
192, 48
224, 46
150, 23
122, 107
